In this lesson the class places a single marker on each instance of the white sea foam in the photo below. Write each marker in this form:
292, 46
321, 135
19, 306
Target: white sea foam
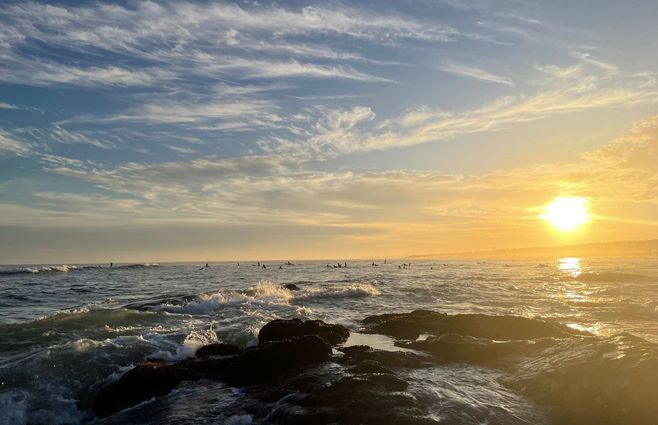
269, 293
40, 269
350, 291
264, 292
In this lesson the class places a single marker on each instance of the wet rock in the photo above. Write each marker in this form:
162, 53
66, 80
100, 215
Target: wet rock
358, 353
218, 349
411, 325
282, 329
369, 366
256, 365
268, 361
370, 382
147, 380
466, 349
365, 399
291, 287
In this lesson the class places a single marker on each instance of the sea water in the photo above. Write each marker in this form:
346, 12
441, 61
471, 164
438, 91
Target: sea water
66, 330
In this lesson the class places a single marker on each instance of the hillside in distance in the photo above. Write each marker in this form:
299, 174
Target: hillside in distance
636, 249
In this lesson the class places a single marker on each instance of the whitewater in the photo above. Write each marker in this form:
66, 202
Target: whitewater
67, 330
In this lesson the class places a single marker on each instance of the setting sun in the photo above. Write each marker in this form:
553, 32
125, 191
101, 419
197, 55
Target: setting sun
566, 214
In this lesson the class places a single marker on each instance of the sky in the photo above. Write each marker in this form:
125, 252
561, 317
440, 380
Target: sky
201, 131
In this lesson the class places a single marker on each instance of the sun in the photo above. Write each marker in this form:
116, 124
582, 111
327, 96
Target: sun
566, 213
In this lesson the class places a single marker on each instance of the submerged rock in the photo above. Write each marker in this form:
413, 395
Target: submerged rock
467, 349
411, 325
147, 380
291, 287
282, 329
218, 349
369, 366
359, 353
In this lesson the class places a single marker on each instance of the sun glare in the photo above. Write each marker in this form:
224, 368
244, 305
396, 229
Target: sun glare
566, 214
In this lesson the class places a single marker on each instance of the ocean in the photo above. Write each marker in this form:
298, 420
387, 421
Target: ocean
66, 330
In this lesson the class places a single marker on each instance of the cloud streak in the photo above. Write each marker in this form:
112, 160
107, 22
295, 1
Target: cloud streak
474, 73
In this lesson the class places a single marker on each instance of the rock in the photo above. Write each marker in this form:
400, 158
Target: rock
268, 361
218, 349
358, 353
257, 365
369, 366
147, 380
370, 382
291, 287
282, 329
411, 325
466, 349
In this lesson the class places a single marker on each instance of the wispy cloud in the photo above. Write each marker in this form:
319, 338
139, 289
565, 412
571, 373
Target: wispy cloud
474, 73
173, 40
9, 144
4, 105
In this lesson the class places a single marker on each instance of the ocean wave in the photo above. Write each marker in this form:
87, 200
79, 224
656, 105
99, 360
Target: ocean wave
138, 266
65, 268
263, 293
349, 291
611, 277
40, 269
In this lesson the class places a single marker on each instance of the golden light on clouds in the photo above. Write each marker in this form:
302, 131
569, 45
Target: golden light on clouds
566, 214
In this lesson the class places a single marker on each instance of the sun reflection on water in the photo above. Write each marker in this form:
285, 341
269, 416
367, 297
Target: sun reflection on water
570, 265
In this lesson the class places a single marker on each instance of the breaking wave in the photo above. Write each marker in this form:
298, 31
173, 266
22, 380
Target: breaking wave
40, 269
264, 293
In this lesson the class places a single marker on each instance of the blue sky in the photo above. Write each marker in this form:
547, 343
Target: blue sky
209, 130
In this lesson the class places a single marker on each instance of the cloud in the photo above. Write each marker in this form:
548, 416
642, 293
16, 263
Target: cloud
4, 105
9, 144
474, 73
180, 40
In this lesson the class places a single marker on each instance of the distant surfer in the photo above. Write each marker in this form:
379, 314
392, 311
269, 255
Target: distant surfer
206, 265
263, 266
111, 264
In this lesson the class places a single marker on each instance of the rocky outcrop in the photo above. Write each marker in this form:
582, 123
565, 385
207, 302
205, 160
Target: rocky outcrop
359, 353
282, 329
411, 325
291, 286
145, 381
369, 366
450, 348
218, 349
255, 365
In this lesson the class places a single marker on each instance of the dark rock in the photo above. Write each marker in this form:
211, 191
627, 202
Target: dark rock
283, 329
269, 360
359, 353
369, 366
369, 382
411, 325
218, 349
147, 380
256, 365
291, 287
466, 349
